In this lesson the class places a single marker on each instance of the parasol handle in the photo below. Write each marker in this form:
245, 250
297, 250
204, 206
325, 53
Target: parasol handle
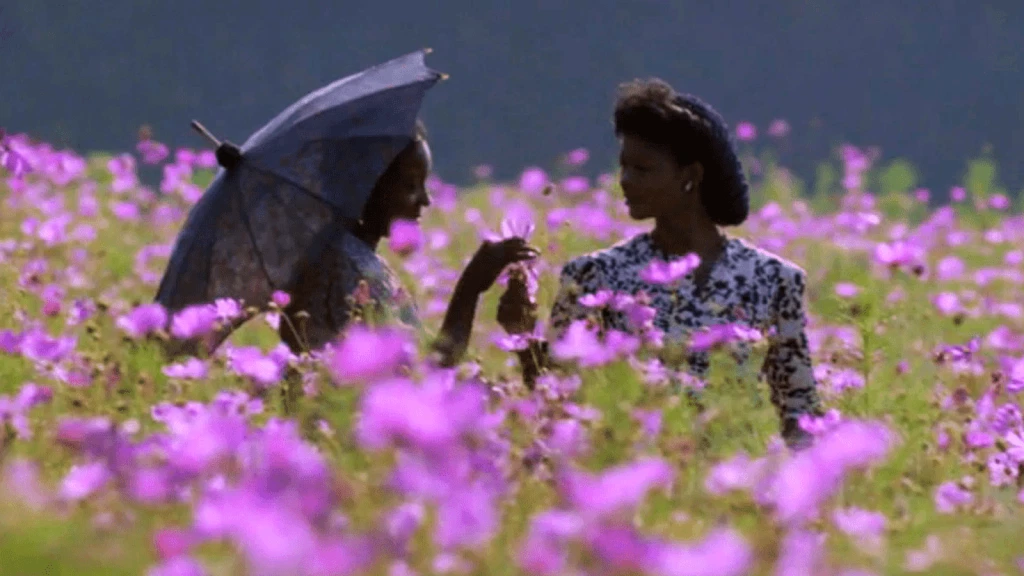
205, 133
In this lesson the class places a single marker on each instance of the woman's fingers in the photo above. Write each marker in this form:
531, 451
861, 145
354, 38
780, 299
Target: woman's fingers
525, 254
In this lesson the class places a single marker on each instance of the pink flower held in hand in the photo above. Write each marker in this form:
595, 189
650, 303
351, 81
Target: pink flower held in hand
405, 237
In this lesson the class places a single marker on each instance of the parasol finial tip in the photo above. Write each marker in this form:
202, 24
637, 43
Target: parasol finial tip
198, 127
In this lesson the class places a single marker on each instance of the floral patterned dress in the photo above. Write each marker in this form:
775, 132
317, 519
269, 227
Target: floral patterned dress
746, 285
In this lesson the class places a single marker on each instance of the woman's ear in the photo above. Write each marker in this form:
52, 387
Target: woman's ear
693, 175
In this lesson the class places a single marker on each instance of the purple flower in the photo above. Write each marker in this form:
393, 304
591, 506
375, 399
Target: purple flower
13, 162
533, 180
999, 202
250, 362
39, 346
20, 478
723, 552
745, 132
401, 524
805, 481
152, 152
947, 303
206, 159
736, 473
405, 237
14, 410
143, 320
838, 379
575, 185
568, 438
722, 334
650, 422
191, 369
599, 299
127, 211
659, 272
227, 309
616, 489
468, 518
193, 321
950, 268
178, 566
859, 523
847, 290
543, 552
280, 298
639, 315
802, 552
578, 157
518, 222
949, 497
399, 412
83, 480
200, 437
619, 549
778, 128
1002, 470
581, 343
365, 354
898, 254
1015, 383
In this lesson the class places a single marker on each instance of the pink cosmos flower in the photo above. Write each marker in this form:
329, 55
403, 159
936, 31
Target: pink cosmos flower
405, 237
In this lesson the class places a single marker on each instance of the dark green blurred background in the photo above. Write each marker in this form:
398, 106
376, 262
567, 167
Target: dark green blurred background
932, 81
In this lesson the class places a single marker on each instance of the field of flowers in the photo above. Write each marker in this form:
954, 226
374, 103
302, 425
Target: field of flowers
114, 460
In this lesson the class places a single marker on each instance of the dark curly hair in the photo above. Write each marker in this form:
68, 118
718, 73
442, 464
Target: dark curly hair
692, 131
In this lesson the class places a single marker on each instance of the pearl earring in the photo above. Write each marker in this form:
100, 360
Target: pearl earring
688, 186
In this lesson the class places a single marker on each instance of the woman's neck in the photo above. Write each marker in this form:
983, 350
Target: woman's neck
688, 234
368, 235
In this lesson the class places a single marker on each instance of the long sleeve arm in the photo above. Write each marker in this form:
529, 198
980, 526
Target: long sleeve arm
787, 366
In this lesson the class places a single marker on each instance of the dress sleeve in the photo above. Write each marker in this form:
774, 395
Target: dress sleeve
576, 279
787, 366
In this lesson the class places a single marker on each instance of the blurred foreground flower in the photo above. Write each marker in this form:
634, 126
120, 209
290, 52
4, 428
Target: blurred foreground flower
143, 320
364, 354
405, 237
659, 272
11, 160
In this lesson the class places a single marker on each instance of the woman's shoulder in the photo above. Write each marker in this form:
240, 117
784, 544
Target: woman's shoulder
765, 264
614, 258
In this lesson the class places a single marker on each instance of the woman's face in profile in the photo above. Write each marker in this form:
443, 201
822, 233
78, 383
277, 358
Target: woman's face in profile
651, 179
401, 192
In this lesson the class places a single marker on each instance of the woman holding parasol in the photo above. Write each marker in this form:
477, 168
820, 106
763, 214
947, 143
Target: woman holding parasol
302, 206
